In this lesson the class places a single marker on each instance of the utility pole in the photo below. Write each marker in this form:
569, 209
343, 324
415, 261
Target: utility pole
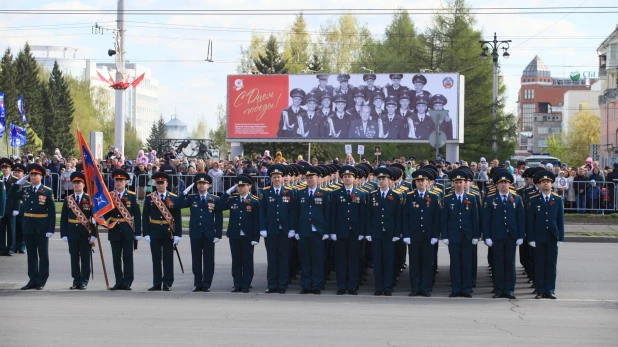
120, 67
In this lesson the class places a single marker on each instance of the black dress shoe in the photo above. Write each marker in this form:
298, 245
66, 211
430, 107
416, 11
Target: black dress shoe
388, 293
206, 290
21, 251
270, 291
549, 296
236, 290
245, 290
413, 294
28, 286
532, 285
166, 288
73, 287
281, 291
425, 294
352, 291
154, 288
453, 295
466, 295
493, 291
510, 297
117, 287
40, 287
341, 291
538, 296
497, 296
317, 292
474, 285
127, 288
197, 289
305, 291
377, 293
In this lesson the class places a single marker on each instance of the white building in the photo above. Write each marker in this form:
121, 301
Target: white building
141, 103
579, 100
176, 129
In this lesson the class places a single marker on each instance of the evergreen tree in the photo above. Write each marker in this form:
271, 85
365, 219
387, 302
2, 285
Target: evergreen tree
29, 86
271, 62
132, 142
59, 115
7, 86
157, 132
315, 63
296, 51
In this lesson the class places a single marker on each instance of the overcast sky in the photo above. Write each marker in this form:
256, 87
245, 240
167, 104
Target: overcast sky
174, 46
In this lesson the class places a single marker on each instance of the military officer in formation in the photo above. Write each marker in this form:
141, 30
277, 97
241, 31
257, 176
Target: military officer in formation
76, 229
205, 229
345, 89
391, 126
19, 171
39, 223
310, 125
288, 124
370, 87
125, 229
437, 102
359, 101
339, 123
8, 205
364, 127
419, 82
395, 88
323, 87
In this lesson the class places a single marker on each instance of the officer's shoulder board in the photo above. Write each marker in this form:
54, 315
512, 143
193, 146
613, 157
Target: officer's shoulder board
374, 191
432, 193
491, 194
46, 187
287, 187
133, 193
533, 196
171, 194
266, 188
437, 189
449, 194
254, 197
555, 194
234, 194
335, 188
411, 192
326, 189
362, 190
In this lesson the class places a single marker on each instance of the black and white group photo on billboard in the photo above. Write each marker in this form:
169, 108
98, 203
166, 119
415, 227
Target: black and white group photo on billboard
369, 106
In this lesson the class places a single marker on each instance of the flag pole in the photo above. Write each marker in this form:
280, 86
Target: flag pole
102, 257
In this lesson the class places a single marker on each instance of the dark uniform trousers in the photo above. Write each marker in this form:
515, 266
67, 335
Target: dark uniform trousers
162, 250
20, 244
7, 233
383, 250
347, 258
203, 260
80, 251
122, 254
545, 260
421, 265
38, 257
312, 272
277, 255
242, 261
461, 266
504, 265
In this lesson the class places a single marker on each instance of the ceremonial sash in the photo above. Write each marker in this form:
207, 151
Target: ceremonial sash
164, 211
78, 212
123, 210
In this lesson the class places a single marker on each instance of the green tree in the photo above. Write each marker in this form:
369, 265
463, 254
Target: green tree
342, 42
219, 135
573, 147
250, 54
296, 52
132, 142
395, 53
59, 109
7, 86
157, 131
315, 63
29, 86
34, 143
201, 129
271, 61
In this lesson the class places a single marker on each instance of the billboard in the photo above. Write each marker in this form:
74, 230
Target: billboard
344, 107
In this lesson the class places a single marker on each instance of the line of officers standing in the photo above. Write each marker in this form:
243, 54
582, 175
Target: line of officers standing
315, 219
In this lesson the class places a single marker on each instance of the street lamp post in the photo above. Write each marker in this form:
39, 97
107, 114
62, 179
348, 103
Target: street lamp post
495, 46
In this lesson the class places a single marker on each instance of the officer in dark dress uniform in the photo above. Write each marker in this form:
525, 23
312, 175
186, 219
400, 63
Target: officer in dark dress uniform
313, 222
39, 223
419, 82
9, 204
243, 230
393, 126
162, 228
323, 86
359, 101
348, 228
76, 229
288, 124
385, 229
364, 128
503, 230
423, 124
123, 233
545, 233
370, 88
205, 229
421, 230
377, 105
277, 227
460, 231
20, 246
345, 89
395, 88
437, 103
311, 124
338, 125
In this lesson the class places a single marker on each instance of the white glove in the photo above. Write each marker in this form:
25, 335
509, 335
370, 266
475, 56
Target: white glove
475, 241
360, 237
407, 240
368, 238
560, 243
253, 243
489, 242
532, 244
434, 241
325, 237
48, 235
176, 239
23, 180
229, 191
291, 234
65, 239
186, 191
297, 237
94, 221
395, 239
333, 237
92, 239
263, 233
445, 241
215, 240
15, 213
147, 238
138, 238
519, 242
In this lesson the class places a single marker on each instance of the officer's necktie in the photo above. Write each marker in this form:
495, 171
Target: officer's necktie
547, 199
421, 195
383, 195
310, 193
349, 192
33, 189
461, 199
162, 196
203, 199
504, 198
77, 199
277, 192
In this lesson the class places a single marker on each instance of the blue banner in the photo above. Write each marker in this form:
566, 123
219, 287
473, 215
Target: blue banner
20, 106
2, 115
18, 136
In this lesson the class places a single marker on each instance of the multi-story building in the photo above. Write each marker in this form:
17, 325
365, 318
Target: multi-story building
608, 70
141, 107
541, 103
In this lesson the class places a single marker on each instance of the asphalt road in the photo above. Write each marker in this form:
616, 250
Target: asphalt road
586, 312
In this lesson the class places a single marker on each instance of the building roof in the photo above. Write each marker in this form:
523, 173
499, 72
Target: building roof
536, 68
175, 121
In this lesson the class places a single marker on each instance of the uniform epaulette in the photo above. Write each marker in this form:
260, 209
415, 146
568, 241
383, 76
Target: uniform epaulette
335, 188
46, 187
172, 194
533, 196
410, 193
438, 189
491, 194
234, 194
447, 195
374, 191
133, 193
288, 187
326, 189
555, 194
473, 193
362, 190
266, 188
254, 197
432, 193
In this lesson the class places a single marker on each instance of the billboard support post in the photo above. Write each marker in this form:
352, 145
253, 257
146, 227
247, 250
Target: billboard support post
452, 152
236, 148
309, 155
